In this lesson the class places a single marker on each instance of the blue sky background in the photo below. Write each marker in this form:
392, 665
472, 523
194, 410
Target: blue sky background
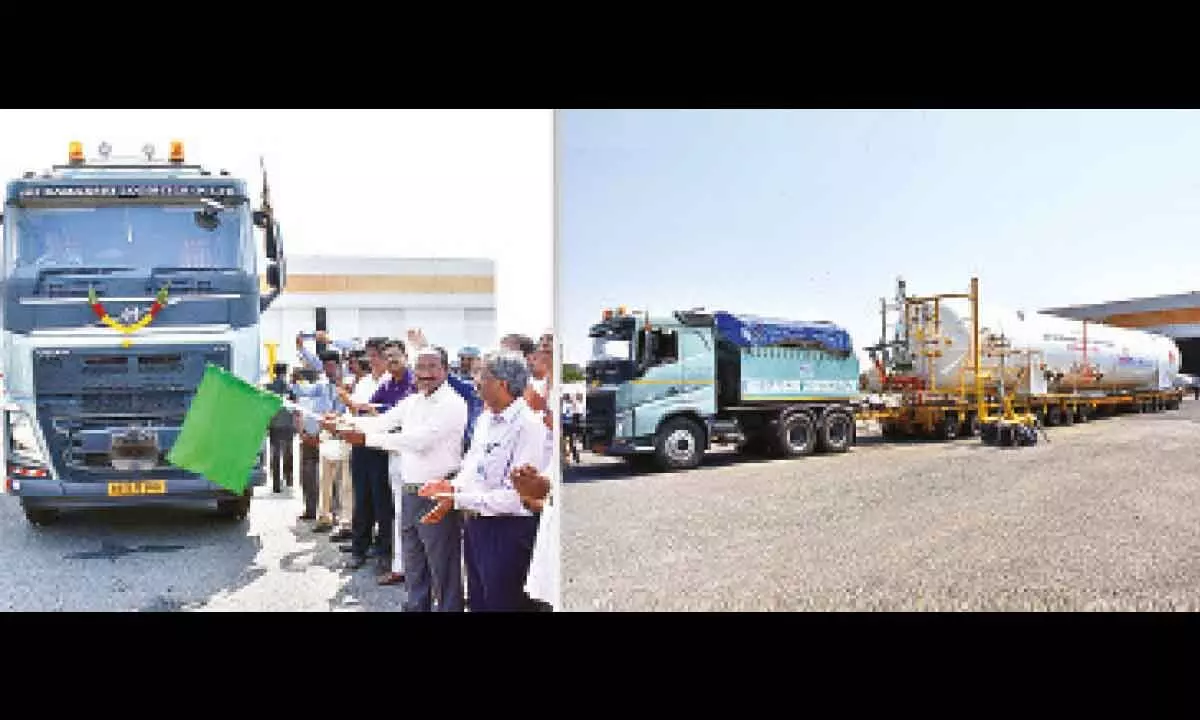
813, 214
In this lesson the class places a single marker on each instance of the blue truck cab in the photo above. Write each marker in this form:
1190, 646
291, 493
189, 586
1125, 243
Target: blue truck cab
670, 387
121, 280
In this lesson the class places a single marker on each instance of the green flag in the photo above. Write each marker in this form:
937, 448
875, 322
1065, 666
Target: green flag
224, 429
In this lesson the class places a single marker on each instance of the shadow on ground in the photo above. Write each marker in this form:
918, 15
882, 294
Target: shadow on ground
120, 540
361, 591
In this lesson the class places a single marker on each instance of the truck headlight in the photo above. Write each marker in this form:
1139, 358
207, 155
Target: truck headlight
624, 424
26, 457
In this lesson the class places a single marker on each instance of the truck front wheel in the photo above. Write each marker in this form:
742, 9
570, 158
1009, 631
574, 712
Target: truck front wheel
679, 445
236, 509
40, 516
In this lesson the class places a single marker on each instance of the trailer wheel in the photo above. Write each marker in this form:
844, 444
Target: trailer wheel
1084, 414
236, 509
797, 435
1053, 416
679, 444
837, 432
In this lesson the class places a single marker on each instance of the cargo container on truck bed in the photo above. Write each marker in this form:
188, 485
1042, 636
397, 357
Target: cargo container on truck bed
670, 387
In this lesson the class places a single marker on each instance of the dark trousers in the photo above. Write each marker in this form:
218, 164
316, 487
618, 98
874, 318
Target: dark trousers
310, 464
374, 509
432, 557
498, 551
282, 454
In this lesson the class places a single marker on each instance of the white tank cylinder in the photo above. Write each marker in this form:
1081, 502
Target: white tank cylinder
1119, 359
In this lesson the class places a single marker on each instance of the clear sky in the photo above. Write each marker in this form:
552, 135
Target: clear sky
812, 215
395, 183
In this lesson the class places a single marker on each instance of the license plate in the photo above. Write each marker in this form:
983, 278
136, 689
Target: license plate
598, 449
144, 487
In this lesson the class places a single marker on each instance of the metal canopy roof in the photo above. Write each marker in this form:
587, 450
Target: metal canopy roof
1098, 312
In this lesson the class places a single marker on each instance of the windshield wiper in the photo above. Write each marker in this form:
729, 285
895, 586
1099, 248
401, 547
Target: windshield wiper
164, 269
82, 271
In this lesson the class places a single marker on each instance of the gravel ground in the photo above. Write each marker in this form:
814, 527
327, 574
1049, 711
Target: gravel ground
171, 560
1106, 516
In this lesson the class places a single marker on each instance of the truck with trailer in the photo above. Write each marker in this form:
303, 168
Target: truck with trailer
947, 374
669, 388
122, 278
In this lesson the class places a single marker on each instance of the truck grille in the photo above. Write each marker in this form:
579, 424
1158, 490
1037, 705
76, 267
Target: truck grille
88, 398
69, 372
600, 420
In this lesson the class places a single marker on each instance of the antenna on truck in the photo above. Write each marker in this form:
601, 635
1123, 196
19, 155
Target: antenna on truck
266, 188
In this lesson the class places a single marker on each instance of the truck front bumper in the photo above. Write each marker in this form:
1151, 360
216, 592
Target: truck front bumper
47, 493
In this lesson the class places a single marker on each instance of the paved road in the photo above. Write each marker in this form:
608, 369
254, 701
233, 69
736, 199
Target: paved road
1106, 516
180, 560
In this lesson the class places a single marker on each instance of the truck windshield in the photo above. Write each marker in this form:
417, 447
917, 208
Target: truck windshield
131, 237
610, 349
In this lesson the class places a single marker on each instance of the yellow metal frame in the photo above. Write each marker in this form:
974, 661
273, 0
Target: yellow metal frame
272, 358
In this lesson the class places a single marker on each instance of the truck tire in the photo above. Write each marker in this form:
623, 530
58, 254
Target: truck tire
970, 428
679, 444
41, 516
837, 432
797, 435
235, 509
948, 428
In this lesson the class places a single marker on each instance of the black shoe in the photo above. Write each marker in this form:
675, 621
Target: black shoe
341, 535
356, 561
306, 516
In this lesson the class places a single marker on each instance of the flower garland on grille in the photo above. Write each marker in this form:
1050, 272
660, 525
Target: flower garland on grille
160, 302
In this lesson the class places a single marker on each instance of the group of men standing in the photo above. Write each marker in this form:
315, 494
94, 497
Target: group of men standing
424, 469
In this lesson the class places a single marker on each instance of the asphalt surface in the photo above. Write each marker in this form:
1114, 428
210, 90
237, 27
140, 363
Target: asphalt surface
1104, 516
175, 560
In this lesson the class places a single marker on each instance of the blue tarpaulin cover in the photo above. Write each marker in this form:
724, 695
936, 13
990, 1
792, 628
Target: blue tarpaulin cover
752, 331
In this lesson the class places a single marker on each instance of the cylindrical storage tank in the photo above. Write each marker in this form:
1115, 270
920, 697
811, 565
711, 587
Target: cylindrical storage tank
1120, 359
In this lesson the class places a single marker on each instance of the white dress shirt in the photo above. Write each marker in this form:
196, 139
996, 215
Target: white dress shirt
366, 387
428, 446
502, 443
542, 388
542, 581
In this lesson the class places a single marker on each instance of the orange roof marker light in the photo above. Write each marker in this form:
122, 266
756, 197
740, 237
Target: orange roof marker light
176, 151
75, 152
607, 315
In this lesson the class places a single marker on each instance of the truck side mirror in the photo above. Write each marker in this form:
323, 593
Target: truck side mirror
274, 276
648, 348
271, 243
260, 219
